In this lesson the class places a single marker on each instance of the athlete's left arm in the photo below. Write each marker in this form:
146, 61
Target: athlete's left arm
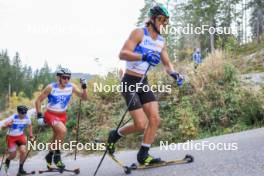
166, 61
82, 94
169, 67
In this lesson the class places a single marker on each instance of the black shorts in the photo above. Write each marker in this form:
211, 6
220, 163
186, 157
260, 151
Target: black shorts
143, 93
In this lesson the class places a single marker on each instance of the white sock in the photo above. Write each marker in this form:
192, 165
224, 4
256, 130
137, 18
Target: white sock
145, 145
120, 134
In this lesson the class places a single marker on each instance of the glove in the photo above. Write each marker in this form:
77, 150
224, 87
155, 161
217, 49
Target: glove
8, 124
179, 78
153, 58
41, 121
83, 82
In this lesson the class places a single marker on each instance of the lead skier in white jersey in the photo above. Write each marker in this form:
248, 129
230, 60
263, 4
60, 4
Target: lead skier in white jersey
145, 46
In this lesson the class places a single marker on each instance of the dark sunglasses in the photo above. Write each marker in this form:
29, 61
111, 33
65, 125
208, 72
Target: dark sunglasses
163, 20
22, 112
65, 77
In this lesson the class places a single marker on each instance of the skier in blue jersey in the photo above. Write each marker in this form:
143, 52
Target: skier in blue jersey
59, 94
197, 58
16, 139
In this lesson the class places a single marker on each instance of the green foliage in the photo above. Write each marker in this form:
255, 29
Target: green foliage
230, 73
249, 48
144, 12
231, 44
184, 54
228, 43
20, 79
252, 112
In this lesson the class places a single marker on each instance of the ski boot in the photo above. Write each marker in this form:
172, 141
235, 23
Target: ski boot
48, 159
144, 158
112, 139
58, 162
21, 172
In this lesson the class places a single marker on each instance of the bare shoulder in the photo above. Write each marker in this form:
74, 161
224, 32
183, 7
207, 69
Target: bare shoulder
137, 34
48, 87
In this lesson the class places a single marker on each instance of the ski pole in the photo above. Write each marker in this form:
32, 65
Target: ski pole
78, 124
2, 161
122, 119
39, 129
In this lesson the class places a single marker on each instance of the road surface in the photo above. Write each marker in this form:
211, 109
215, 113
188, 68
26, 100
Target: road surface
247, 160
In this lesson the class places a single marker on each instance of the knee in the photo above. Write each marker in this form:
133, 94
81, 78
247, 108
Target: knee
63, 131
23, 151
60, 130
141, 126
154, 120
12, 155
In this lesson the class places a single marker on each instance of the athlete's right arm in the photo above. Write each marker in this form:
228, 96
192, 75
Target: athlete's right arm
7, 122
44, 94
126, 52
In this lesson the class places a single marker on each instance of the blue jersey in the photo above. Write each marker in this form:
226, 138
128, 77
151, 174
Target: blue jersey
197, 57
18, 125
147, 44
59, 99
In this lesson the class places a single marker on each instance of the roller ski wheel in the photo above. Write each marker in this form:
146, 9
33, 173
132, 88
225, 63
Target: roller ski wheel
127, 170
189, 158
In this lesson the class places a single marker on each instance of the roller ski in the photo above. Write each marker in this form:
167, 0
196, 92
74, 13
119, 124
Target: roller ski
22, 173
155, 162
127, 169
60, 170
161, 163
59, 165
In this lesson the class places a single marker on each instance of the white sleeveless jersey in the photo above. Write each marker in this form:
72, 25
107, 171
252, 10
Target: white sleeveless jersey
59, 99
18, 125
147, 44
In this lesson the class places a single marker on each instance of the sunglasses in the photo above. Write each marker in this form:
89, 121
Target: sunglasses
23, 112
66, 77
163, 20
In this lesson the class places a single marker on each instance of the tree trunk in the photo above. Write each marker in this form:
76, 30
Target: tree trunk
212, 38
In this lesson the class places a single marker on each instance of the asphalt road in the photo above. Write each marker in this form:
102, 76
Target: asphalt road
245, 159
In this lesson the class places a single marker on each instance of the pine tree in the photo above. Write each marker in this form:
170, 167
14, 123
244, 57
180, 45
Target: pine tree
144, 12
257, 19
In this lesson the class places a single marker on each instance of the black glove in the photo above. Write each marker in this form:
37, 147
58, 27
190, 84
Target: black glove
83, 82
179, 78
40, 118
39, 115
